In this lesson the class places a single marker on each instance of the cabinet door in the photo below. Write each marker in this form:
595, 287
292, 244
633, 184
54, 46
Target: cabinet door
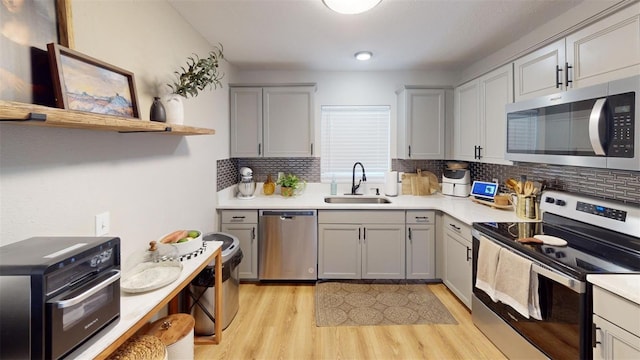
606, 50
465, 129
457, 270
246, 121
288, 121
421, 252
496, 90
423, 112
338, 251
383, 251
614, 342
535, 74
246, 234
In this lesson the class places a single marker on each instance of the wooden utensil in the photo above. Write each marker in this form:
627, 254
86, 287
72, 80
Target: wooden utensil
528, 188
511, 183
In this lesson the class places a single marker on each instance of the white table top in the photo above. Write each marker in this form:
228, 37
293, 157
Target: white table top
133, 307
624, 285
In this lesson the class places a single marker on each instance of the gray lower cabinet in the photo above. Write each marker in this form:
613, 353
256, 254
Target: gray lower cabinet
616, 322
458, 258
361, 244
243, 224
420, 245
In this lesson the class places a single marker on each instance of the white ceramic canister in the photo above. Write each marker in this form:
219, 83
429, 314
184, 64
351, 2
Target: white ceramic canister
174, 109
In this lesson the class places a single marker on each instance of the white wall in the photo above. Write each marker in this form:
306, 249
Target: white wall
352, 88
54, 181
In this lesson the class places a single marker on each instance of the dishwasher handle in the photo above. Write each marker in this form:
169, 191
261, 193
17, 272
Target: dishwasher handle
287, 214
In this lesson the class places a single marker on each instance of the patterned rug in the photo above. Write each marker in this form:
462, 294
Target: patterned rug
378, 302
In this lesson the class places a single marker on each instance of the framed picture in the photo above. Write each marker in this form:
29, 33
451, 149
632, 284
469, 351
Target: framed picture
26, 27
83, 83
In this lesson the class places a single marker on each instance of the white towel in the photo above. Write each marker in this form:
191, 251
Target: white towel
513, 281
534, 298
488, 255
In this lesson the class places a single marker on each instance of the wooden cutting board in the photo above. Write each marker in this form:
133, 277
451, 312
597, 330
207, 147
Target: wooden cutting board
420, 183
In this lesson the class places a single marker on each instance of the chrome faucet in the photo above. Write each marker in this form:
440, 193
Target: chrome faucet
355, 187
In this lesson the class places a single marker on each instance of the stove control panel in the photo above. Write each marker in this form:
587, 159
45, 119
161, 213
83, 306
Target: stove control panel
600, 210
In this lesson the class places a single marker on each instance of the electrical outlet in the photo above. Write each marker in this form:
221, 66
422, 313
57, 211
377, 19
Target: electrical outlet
103, 223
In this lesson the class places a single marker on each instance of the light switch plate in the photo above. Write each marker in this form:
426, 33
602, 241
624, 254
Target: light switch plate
103, 223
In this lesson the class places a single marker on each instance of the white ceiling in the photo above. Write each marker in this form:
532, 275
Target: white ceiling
402, 34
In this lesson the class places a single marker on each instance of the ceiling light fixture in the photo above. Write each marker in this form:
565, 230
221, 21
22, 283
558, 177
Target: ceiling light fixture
351, 7
363, 55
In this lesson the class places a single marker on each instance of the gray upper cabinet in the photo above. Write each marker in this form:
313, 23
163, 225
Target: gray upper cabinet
264, 118
606, 50
421, 123
480, 125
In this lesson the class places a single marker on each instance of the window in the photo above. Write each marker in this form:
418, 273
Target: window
355, 133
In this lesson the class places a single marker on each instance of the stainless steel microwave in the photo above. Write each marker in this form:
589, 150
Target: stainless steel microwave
593, 126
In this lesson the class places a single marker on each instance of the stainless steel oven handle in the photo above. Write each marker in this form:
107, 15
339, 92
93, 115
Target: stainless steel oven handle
577, 286
595, 124
61, 304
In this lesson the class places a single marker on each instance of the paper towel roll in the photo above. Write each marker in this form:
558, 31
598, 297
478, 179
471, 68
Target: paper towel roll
391, 183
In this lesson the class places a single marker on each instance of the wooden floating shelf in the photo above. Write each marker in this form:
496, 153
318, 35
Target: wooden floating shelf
38, 115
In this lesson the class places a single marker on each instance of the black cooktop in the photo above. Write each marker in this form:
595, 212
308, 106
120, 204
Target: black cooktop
589, 249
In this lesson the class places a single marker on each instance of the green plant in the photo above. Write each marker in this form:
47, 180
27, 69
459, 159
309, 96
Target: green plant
289, 180
199, 74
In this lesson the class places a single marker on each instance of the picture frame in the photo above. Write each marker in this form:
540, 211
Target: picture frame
27, 27
83, 83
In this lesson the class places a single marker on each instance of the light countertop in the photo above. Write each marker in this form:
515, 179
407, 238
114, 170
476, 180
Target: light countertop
463, 209
624, 285
134, 307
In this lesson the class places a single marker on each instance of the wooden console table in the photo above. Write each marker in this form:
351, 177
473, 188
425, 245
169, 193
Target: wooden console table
136, 310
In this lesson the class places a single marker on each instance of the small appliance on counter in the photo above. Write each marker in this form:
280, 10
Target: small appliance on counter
456, 182
246, 186
57, 292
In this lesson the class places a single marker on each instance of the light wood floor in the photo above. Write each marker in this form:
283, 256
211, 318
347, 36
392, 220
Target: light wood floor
277, 321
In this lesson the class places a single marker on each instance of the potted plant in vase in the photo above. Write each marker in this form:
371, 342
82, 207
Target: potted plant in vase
199, 74
288, 184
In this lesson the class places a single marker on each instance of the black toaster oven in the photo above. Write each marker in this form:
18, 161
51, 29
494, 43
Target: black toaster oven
55, 293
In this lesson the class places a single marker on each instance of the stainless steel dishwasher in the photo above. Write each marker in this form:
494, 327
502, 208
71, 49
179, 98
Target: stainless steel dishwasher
288, 245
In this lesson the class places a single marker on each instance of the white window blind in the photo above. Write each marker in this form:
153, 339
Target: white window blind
351, 134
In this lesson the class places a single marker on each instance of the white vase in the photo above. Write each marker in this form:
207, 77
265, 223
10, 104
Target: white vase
174, 109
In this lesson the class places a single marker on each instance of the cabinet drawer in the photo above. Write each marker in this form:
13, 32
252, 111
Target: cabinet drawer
421, 216
616, 309
239, 216
456, 226
360, 217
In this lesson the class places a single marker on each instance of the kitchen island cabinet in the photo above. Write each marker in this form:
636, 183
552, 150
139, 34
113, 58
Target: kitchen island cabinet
457, 258
263, 119
616, 322
361, 245
243, 224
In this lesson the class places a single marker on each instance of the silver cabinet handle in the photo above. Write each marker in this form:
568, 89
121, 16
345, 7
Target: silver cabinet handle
61, 304
596, 126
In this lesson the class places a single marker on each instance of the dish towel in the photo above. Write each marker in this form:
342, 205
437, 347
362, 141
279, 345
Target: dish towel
513, 281
534, 298
488, 255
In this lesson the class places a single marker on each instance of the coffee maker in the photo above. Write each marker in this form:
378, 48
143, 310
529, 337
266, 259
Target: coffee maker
246, 186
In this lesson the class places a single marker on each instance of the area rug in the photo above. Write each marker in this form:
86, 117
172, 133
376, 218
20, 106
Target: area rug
378, 302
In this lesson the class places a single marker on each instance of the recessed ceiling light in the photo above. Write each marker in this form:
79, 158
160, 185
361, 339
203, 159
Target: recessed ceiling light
351, 6
363, 55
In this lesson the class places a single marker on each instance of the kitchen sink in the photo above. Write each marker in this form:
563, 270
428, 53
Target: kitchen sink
354, 199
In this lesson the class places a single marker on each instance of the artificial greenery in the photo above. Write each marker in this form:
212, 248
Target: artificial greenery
289, 180
199, 74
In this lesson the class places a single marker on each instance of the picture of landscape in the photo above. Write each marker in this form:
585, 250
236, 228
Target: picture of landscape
95, 89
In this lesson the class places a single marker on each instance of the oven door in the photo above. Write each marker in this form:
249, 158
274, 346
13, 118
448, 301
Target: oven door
72, 317
562, 332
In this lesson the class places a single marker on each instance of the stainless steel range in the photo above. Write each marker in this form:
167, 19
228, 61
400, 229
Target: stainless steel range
577, 236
